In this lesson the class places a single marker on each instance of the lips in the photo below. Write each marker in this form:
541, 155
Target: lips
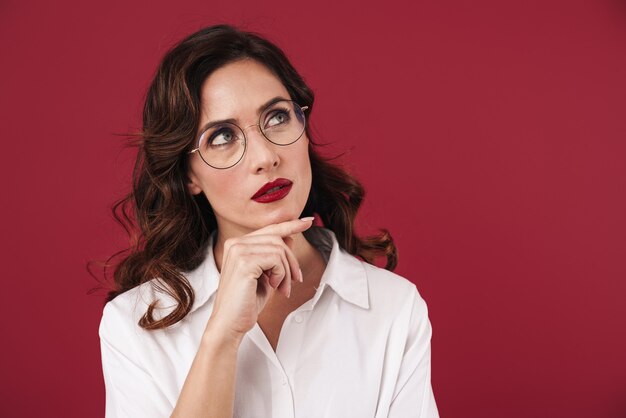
278, 183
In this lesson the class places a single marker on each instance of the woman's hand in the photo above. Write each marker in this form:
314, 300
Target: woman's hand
254, 266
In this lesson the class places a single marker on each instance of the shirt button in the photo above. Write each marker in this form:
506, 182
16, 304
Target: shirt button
284, 382
298, 319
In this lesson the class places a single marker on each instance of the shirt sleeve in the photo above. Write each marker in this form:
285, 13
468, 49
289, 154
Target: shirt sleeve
130, 389
413, 395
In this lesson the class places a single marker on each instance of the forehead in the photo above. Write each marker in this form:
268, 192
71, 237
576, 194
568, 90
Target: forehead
237, 89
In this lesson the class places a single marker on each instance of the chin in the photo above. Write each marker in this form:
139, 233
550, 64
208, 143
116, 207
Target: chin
281, 215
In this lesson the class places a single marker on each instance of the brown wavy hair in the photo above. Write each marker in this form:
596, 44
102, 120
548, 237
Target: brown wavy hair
168, 227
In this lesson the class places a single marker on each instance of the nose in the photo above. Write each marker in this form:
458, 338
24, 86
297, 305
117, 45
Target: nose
261, 153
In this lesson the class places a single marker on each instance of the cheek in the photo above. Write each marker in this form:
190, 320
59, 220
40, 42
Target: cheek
220, 188
306, 160
301, 152
304, 167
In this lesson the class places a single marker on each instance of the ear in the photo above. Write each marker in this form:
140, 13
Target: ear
193, 184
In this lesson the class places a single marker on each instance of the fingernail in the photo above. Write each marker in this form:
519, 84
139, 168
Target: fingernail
300, 277
308, 218
288, 292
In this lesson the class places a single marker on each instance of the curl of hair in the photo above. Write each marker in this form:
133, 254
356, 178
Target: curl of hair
168, 227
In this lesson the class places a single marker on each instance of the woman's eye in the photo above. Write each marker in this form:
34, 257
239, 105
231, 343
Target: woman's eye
278, 118
221, 137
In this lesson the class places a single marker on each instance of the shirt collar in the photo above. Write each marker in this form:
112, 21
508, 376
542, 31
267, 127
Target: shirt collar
344, 273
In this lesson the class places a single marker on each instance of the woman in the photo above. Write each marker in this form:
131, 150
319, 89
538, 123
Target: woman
222, 265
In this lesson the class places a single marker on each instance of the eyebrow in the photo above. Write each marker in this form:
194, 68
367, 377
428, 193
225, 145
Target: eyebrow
234, 120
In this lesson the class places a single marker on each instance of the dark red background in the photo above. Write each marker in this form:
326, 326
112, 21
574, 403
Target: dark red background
490, 137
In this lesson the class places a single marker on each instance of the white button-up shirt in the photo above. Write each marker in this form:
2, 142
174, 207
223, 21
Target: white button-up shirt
359, 348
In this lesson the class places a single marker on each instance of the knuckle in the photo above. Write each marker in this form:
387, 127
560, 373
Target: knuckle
277, 257
278, 248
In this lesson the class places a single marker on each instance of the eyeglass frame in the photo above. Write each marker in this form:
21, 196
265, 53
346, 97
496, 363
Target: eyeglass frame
245, 138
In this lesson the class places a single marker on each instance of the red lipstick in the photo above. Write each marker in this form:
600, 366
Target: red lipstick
272, 191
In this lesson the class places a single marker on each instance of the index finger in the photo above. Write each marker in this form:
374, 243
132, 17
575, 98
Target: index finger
284, 229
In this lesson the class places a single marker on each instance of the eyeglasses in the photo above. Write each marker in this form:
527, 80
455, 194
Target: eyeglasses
222, 145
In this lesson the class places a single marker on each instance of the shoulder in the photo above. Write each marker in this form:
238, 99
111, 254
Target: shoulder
120, 316
389, 284
390, 291
398, 299
381, 278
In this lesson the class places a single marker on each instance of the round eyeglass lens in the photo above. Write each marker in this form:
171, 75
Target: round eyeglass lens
222, 145
283, 122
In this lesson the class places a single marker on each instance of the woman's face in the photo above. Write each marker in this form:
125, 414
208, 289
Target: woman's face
237, 91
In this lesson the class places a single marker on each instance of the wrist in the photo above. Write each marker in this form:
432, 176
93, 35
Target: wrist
216, 333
